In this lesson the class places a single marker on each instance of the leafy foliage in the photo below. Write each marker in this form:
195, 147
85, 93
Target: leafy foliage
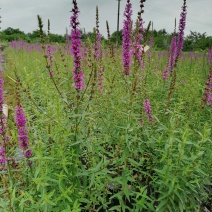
94, 154
193, 42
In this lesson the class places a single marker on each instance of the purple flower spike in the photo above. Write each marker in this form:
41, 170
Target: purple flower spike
126, 42
180, 37
171, 61
138, 49
147, 109
210, 56
76, 49
208, 89
97, 46
22, 131
78, 79
176, 44
3, 159
100, 79
165, 73
49, 51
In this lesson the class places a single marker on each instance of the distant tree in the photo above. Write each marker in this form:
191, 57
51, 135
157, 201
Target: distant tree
114, 37
195, 36
196, 41
11, 34
162, 32
57, 38
35, 35
188, 45
11, 31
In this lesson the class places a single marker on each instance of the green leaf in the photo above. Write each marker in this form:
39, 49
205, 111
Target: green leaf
180, 198
161, 206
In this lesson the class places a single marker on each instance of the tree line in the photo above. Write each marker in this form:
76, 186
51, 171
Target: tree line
195, 41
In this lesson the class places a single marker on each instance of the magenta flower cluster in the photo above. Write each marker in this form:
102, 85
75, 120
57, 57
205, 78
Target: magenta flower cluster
210, 56
76, 49
138, 49
180, 37
171, 61
176, 44
29, 47
3, 160
49, 51
147, 109
100, 79
208, 89
126, 39
22, 131
97, 46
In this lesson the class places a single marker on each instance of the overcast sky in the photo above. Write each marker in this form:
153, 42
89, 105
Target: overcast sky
22, 14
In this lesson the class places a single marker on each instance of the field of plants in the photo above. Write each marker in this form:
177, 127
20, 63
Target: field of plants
91, 127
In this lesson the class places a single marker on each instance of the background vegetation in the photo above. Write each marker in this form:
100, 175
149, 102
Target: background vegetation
193, 42
126, 142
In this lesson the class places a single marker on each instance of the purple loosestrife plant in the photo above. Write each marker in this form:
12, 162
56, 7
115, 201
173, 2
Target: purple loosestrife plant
148, 110
97, 45
140, 37
49, 51
3, 159
207, 96
176, 44
165, 73
210, 56
126, 40
180, 37
98, 55
76, 49
138, 49
100, 79
22, 132
180, 40
171, 61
